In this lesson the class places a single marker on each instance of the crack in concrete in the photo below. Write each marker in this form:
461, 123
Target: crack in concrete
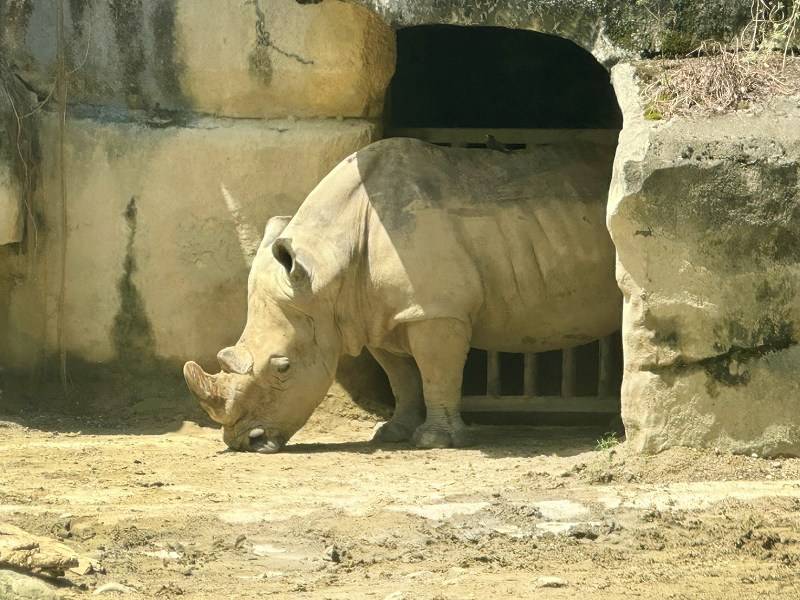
264, 39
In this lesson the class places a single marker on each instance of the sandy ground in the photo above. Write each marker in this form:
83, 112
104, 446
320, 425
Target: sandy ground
172, 514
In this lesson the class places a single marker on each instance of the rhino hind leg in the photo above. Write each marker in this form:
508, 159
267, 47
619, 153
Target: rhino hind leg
406, 384
440, 348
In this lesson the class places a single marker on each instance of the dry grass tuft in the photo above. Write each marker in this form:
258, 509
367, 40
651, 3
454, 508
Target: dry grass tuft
716, 81
716, 78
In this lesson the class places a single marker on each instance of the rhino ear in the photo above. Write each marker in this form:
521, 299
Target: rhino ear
274, 228
287, 256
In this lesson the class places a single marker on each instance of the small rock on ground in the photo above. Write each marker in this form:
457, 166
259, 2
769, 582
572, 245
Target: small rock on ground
112, 588
550, 582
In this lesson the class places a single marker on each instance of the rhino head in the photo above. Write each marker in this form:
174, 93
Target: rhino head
285, 360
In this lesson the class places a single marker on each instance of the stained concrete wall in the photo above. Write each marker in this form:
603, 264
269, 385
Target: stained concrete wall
704, 214
190, 123
160, 226
260, 59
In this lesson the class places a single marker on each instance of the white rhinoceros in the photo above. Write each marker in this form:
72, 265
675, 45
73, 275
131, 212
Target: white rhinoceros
417, 252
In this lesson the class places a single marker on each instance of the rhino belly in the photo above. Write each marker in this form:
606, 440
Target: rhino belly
548, 280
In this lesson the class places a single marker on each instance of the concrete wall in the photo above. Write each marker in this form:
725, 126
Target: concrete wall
260, 59
190, 124
160, 223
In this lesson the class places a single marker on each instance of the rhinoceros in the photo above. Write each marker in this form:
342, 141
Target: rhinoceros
416, 252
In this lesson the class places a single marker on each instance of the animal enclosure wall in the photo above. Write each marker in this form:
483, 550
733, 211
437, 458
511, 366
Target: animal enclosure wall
189, 124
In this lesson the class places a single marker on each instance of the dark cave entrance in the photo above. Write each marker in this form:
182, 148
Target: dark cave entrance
454, 86
492, 77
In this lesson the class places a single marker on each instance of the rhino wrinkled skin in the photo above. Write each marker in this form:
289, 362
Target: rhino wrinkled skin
417, 252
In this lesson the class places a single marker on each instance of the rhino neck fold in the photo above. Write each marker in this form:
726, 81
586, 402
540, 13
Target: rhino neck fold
351, 309
332, 227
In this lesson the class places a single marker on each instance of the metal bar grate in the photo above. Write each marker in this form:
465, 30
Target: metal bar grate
602, 399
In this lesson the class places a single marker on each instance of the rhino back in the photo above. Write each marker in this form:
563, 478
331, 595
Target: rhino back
514, 243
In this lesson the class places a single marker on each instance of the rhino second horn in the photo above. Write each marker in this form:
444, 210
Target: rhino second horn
236, 359
256, 433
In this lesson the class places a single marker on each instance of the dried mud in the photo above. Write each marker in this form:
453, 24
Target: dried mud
529, 512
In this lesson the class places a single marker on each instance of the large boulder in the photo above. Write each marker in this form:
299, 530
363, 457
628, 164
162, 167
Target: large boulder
705, 216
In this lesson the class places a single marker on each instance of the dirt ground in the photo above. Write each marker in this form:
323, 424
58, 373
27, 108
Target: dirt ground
530, 512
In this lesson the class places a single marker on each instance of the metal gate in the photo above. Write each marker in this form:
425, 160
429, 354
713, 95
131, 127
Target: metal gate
606, 397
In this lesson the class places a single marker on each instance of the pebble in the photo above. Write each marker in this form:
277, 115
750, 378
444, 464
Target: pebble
550, 582
84, 566
396, 596
332, 554
112, 587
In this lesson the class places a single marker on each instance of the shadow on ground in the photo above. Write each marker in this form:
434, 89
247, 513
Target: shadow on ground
491, 440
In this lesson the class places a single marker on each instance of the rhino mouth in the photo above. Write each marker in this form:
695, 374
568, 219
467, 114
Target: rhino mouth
259, 442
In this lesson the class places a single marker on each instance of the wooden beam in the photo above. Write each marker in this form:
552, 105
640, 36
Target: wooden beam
492, 373
530, 137
529, 375
541, 404
568, 374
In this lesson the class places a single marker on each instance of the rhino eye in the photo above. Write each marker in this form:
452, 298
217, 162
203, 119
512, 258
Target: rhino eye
279, 363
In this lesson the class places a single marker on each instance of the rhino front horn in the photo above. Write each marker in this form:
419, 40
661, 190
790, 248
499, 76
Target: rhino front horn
205, 388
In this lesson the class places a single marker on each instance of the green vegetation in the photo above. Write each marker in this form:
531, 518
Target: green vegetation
607, 441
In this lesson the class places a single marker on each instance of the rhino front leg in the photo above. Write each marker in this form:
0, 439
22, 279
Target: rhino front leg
409, 408
440, 348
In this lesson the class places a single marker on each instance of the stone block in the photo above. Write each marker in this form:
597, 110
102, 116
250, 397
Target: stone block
260, 59
705, 216
161, 223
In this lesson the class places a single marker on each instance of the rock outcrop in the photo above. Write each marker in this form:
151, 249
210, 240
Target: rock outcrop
705, 216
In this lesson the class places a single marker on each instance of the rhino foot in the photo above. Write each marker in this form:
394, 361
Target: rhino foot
427, 436
395, 431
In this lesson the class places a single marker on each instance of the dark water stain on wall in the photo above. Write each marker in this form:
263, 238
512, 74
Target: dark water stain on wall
77, 12
128, 17
132, 332
260, 61
14, 18
167, 65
